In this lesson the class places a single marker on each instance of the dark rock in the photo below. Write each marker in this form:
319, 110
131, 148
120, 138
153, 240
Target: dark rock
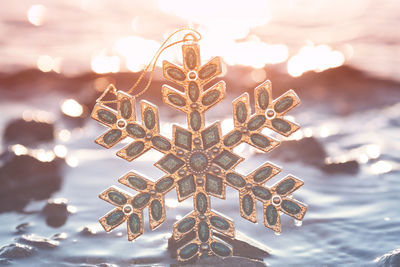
59, 236
391, 259
227, 262
350, 167
28, 132
21, 228
24, 178
56, 212
16, 251
38, 241
86, 231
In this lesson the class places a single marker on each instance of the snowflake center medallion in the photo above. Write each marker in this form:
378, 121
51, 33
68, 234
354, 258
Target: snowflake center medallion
198, 162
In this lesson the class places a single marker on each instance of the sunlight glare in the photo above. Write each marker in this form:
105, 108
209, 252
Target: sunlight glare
36, 14
105, 64
71, 108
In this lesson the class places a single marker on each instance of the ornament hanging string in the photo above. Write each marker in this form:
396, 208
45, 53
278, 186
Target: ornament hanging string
191, 36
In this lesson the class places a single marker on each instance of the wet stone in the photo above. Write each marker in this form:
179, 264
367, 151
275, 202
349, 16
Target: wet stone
161, 143
256, 122
281, 125
235, 180
186, 186
170, 163
210, 97
164, 184
112, 136
135, 149
290, 207
233, 138
214, 184
38, 241
263, 99
203, 231
149, 118
134, 223
261, 192
201, 203
137, 182
210, 136
115, 218
135, 131
220, 249
219, 223
177, 100
106, 116
176, 74
247, 205
116, 197
207, 71
183, 139
156, 210
226, 159
283, 104
285, 187
195, 120
190, 58
189, 251
126, 108
198, 162
141, 200
186, 225
262, 174
260, 140
16, 251
241, 112
271, 215
194, 91
56, 212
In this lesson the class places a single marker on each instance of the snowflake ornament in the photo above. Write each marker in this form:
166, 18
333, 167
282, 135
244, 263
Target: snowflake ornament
199, 161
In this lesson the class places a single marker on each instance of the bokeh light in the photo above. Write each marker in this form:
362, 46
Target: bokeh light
36, 14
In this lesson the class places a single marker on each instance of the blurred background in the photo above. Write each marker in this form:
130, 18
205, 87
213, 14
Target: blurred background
340, 57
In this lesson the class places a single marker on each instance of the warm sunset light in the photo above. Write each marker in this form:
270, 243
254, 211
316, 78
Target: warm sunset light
36, 14
105, 64
71, 108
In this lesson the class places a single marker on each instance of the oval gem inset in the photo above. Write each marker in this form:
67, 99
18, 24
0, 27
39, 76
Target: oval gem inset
126, 108
203, 231
281, 125
140, 200
219, 223
161, 143
176, 74
210, 97
262, 174
106, 116
177, 100
115, 218
116, 197
220, 249
135, 131
290, 207
112, 136
256, 122
189, 251
186, 225
149, 118
263, 99
247, 205
156, 210
260, 140
135, 149
283, 104
207, 71
233, 138
285, 187
164, 184
137, 182
134, 223
235, 179
195, 120
261, 192
241, 112
194, 91
190, 58
271, 215
201, 203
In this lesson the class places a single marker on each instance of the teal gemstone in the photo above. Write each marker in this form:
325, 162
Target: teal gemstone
233, 138
263, 99
235, 180
207, 71
283, 104
177, 100
137, 182
161, 143
290, 207
135, 131
261, 192
226, 160
285, 187
195, 120
115, 218
194, 91
210, 97
271, 214
219, 223
186, 186
176, 74
203, 231
135, 149
112, 136
190, 58
198, 162
134, 223
149, 118
247, 205
201, 203
116, 197
164, 184
183, 139
156, 210
170, 163
140, 200
256, 122
186, 225
126, 108
189, 251
260, 140
210, 136
220, 249
214, 184
241, 112
281, 125
106, 116
262, 174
